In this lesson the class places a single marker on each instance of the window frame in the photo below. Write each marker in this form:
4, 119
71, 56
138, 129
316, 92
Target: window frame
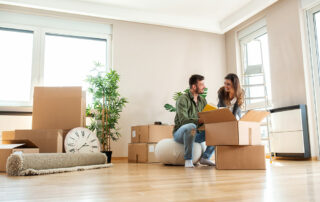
245, 36
38, 54
255, 33
16, 105
314, 59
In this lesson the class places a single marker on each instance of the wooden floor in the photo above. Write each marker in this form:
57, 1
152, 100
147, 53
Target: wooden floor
282, 181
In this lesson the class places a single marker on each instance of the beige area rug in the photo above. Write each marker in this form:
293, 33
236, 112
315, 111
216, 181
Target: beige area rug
19, 164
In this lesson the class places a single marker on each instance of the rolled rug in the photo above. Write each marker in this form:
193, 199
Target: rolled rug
19, 164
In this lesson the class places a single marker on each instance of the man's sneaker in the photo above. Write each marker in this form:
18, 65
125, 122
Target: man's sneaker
207, 162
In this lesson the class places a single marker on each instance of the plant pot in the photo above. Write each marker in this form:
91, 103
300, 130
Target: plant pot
108, 154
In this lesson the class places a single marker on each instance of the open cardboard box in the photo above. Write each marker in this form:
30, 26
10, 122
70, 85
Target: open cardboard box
56, 110
10, 146
47, 140
222, 127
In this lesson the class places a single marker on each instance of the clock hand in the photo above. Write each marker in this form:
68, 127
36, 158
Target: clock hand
81, 146
84, 145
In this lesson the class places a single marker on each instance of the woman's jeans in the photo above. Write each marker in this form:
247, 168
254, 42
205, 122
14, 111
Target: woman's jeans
187, 134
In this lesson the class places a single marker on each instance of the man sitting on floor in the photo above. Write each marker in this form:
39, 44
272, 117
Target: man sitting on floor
187, 121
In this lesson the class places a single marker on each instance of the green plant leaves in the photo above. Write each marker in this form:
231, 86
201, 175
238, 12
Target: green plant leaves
170, 108
105, 84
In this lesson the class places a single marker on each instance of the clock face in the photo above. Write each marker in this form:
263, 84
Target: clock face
81, 140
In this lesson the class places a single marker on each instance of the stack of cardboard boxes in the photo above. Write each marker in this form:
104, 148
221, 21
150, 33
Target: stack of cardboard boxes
143, 142
238, 143
56, 110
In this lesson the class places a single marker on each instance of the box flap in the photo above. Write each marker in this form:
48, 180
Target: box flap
216, 116
10, 146
255, 116
19, 143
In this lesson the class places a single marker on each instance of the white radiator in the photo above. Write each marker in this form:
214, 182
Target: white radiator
289, 135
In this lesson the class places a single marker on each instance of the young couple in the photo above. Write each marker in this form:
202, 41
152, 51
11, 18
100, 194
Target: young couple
190, 104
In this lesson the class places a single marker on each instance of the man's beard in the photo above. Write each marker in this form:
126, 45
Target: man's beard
198, 91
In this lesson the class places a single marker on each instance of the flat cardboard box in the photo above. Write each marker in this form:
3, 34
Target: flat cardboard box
58, 108
240, 157
141, 153
222, 127
150, 133
9, 147
47, 140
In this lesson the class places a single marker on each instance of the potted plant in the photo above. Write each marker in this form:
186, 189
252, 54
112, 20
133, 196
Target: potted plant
106, 107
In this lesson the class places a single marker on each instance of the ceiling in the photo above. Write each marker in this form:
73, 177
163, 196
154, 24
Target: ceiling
216, 16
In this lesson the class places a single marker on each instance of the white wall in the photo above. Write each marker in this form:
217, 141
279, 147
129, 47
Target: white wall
153, 62
14, 122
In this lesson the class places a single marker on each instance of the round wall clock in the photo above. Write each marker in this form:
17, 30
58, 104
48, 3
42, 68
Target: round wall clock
81, 140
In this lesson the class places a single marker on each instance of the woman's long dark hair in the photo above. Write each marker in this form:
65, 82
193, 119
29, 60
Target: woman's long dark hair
238, 91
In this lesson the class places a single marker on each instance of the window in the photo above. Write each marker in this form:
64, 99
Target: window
313, 19
68, 60
255, 71
15, 66
46, 51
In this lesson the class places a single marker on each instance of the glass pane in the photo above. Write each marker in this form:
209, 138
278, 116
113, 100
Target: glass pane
255, 103
254, 53
254, 69
15, 65
266, 146
266, 62
264, 120
317, 22
252, 80
255, 91
264, 131
68, 60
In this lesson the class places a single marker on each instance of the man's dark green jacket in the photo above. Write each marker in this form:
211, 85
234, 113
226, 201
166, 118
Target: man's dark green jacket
187, 110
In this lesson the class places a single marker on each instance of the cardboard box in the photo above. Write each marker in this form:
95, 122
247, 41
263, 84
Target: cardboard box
240, 157
222, 127
9, 147
58, 108
47, 140
141, 153
64, 135
150, 133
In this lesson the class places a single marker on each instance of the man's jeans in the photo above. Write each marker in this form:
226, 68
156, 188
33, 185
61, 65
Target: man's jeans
187, 134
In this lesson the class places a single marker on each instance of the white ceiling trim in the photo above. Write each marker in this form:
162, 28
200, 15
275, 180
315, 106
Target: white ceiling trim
245, 13
307, 4
110, 12
145, 16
